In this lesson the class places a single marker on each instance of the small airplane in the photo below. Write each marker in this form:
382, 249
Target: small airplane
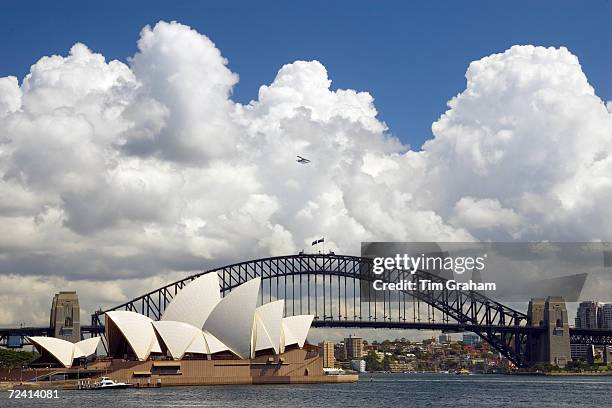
302, 160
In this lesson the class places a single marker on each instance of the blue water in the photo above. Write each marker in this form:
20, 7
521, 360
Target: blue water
376, 390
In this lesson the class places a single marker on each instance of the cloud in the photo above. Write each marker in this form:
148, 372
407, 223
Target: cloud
485, 213
131, 173
530, 132
10, 95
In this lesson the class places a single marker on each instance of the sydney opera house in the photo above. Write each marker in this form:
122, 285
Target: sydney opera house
201, 338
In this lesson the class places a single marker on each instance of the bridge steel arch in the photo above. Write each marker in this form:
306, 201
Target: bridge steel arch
337, 290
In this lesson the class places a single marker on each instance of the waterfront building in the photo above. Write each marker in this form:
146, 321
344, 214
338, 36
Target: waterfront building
358, 365
326, 351
207, 325
198, 322
353, 347
200, 339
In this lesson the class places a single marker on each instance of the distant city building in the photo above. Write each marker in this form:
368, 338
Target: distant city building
587, 315
358, 365
579, 351
606, 316
65, 317
471, 339
326, 350
353, 347
590, 315
444, 338
339, 352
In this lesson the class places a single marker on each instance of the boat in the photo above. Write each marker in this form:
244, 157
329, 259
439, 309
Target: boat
463, 371
106, 382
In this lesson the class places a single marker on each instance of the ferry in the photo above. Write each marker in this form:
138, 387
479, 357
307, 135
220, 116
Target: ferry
106, 382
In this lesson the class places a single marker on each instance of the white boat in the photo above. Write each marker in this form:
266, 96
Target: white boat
106, 382
333, 371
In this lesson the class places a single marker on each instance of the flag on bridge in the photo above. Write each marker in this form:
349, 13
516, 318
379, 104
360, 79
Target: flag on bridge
317, 241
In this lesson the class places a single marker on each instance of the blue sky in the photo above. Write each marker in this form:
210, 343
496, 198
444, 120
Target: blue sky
411, 57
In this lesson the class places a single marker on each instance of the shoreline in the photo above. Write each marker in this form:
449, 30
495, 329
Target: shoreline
548, 374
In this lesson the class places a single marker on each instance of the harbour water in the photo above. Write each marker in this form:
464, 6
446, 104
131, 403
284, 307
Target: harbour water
373, 390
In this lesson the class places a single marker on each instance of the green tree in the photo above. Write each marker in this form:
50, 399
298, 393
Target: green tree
372, 363
387, 360
10, 359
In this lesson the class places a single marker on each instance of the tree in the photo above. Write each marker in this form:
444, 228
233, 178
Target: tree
372, 363
387, 360
10, 359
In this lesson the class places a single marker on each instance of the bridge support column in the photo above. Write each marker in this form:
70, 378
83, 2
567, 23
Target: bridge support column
552, 346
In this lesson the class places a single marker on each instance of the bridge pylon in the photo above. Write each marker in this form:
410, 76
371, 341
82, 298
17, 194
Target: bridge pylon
551, 345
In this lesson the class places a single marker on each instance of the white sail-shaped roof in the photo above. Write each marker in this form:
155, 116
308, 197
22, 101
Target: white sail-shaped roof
156, 347
195, 301
231, 321
268, 326
206, 343
198, 345
62, 350
261, 338
86, 348
177, 336
214, 344
137, 330
295, 330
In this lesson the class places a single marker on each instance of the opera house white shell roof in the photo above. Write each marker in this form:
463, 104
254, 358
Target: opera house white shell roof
137, 329
199, 321
195, 301
268, 329
180, 338
295, 330
231, 321
64, 351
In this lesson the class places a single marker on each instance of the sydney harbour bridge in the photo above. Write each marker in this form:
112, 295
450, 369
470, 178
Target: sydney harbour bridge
337, 290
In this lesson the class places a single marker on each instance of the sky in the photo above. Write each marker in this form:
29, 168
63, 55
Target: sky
422, 47
141, 144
